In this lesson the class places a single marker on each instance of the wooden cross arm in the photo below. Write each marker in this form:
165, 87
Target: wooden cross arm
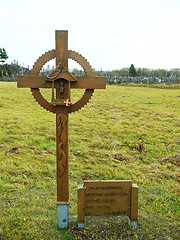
33, 81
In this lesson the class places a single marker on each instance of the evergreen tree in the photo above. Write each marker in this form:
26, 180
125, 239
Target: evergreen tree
3, 55
132, 71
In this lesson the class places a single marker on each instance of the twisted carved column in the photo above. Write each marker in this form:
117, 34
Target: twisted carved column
62, 135
62, 156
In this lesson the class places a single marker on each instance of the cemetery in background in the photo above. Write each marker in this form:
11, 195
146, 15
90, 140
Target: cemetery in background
144, 76
143, 80
9, 72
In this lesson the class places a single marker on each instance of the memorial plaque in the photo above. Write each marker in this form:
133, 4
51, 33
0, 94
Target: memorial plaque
108, 198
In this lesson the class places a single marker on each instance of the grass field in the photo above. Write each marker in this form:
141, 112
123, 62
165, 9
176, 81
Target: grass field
123, 133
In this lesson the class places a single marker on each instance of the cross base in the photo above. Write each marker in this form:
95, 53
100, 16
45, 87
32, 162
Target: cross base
63, 215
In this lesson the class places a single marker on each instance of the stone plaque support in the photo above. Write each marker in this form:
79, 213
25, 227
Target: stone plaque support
81, 206
134, 205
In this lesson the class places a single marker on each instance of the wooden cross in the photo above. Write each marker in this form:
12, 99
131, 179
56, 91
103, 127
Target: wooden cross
61, 80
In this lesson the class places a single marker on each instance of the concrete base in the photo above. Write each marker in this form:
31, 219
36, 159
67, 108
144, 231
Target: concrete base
62, 215
80, 225
133, 224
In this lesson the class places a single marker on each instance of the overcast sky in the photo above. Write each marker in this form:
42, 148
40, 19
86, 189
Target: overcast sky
111, 34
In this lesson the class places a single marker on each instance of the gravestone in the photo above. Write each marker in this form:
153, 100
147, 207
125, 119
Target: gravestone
61, 81
108, 198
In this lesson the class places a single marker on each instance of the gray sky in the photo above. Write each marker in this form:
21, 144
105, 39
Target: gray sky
111, 34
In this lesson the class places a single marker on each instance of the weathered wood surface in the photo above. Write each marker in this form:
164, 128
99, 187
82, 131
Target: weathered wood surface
62, 125
81, 204
62, 154
62, 48
134, 203
108, 198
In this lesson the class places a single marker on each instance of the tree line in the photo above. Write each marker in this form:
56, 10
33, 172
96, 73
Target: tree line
140, 72
10, 71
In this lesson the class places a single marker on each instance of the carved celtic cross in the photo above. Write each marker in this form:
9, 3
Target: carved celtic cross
60, 80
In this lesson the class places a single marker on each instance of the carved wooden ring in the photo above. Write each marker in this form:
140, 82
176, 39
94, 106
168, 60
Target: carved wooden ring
47, 56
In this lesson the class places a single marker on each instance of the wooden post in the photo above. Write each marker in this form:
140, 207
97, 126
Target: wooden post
62, 125
62, 48
62, 138
134, 205
62, 154
81, 206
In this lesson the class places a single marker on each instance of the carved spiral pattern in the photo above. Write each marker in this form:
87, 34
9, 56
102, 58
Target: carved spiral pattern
62, 135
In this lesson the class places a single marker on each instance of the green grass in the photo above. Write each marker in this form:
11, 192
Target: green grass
161, 86
123, 133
